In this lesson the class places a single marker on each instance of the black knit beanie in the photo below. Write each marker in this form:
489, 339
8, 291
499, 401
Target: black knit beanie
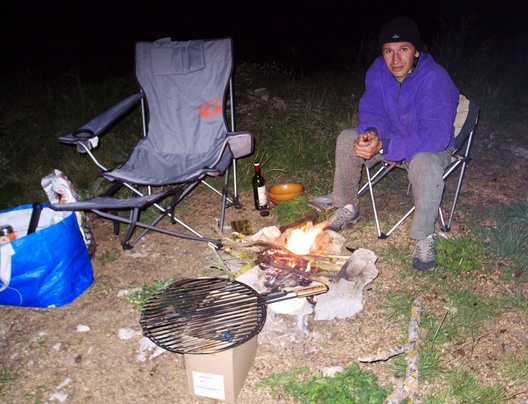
400, 29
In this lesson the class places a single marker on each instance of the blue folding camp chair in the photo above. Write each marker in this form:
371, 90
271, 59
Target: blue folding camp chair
184, 88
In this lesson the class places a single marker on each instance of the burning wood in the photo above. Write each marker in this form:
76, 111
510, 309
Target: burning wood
297, 256
312, 263
282, 268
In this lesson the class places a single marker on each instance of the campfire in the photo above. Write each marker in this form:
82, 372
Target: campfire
297, 259
304, 255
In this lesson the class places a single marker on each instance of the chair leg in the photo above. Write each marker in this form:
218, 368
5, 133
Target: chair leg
441, 220
457, 193
373, 199
134, 214
224, 200
400, 221
110, 192
213, 242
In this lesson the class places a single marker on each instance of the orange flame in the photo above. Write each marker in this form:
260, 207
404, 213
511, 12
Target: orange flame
301, 240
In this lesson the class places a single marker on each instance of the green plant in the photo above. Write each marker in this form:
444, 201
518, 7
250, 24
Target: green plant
352, 385
395, 254
516, 299
466, 314
460, 253
107, 257
7, 375
507, 235
515, 368
465, 388
140, 297
41, 341
429, 366
469, 311
288, 212
398, 302
510, 239
39, 394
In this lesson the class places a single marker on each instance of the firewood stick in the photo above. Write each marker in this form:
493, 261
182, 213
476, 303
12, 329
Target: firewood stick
221, 264
317, 265
307, 275
409, 388
328, 255
385, 355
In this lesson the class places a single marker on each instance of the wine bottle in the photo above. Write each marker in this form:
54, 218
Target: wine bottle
259, 189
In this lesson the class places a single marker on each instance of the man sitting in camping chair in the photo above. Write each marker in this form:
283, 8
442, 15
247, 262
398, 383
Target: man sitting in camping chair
406, 113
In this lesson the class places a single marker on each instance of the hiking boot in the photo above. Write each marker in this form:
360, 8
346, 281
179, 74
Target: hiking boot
424, 255
343, 217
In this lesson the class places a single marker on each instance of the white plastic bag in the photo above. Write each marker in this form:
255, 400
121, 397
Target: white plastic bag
61, 190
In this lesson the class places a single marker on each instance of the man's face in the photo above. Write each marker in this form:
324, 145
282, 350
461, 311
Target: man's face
399, 58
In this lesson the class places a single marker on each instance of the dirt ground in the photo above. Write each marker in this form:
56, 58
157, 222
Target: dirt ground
91, 350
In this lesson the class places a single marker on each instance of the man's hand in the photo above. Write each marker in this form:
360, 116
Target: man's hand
367, 145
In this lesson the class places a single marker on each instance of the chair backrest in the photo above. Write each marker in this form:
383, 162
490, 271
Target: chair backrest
185, 84
465, 121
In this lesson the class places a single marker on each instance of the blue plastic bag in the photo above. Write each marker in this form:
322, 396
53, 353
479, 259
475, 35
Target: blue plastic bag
49, 267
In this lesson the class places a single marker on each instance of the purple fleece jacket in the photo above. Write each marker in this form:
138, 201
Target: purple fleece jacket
413, 116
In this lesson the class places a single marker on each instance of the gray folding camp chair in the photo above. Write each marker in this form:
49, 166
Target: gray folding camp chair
465, 124
184, 87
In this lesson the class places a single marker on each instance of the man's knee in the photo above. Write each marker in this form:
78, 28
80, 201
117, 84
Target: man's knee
346, 138
426, 164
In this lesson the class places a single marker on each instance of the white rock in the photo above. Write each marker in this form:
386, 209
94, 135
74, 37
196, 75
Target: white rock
331, 371
61, 397
126, 292
146, 346
83, 328
64, 383
136, 255
345, 298
127, 333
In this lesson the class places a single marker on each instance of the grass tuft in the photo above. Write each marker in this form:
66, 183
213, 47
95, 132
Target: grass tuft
460, 254
141, 297
353, 385
287, 212
507, 237
465, 388
515, 368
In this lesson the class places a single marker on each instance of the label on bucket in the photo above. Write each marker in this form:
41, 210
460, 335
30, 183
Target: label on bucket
208, 385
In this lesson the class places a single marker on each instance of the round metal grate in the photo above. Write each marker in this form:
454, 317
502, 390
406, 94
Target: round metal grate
203, 315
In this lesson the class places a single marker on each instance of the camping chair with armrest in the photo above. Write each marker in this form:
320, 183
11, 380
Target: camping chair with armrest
465, 124
184, 87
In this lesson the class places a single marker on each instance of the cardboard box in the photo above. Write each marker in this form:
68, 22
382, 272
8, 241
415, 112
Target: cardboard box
220, 375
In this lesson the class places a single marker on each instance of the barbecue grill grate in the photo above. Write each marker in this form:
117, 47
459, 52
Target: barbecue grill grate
203, 315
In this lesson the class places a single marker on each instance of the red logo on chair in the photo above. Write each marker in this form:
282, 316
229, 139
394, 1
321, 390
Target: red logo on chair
211, 108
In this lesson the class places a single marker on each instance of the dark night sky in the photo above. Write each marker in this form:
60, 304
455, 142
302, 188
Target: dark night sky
98, 36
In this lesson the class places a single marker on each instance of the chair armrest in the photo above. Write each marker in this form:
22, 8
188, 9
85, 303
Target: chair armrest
241, 143
98, 125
